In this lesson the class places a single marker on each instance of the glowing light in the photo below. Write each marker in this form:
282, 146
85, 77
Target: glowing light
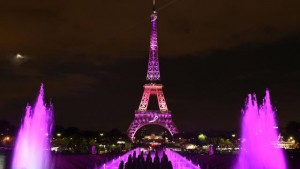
154, 119
54, 149
32, 148
260, 138
179, 162
153, 73
19, 56
202, 137
190, 147
7, 138
120, 142
116, 162
142, 116
58, 134
153, 89
233, 135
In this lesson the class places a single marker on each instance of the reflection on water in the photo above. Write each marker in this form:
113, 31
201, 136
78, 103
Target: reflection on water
5, 158
2, 161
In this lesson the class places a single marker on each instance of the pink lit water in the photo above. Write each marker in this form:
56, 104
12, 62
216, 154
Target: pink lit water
32, 148
259, 137
178, 162
114, 164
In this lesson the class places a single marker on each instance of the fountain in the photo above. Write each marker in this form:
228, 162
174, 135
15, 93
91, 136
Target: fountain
177, 161
114, 164
259, 137
180, 162
32, 148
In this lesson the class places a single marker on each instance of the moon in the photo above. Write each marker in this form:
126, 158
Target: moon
19, 56
18, 59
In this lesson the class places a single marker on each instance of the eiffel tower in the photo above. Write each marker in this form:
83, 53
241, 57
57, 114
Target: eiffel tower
163, 116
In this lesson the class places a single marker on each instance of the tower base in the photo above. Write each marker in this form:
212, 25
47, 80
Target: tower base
155, 117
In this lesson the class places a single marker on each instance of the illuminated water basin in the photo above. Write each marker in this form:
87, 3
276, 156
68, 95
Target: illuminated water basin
178, 162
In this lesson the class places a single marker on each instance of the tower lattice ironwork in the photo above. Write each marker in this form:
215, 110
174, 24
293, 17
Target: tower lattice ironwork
163, 116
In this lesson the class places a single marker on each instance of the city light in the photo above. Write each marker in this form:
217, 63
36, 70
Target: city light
120, 142
7, 138
190, 147
202, 137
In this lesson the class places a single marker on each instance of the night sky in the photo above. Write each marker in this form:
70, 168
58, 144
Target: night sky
92, 58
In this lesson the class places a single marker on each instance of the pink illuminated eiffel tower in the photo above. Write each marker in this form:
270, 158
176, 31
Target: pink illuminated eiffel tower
163, 116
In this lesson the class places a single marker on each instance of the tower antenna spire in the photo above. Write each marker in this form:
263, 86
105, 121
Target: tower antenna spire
153, 73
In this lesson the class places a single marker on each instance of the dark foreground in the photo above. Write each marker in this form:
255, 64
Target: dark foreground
228, 161
65, 161
80, 161
88, 161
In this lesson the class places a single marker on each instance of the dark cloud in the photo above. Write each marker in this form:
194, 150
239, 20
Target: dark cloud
203, 92
99, 27
92, 58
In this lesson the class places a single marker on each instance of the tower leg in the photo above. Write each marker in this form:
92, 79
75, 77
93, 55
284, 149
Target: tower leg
161, 100
145, 99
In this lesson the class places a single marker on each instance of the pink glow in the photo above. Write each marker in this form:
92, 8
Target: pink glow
114, 164
144, 118
180, 162
259, 137
153, 89
153, 73
32, 148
